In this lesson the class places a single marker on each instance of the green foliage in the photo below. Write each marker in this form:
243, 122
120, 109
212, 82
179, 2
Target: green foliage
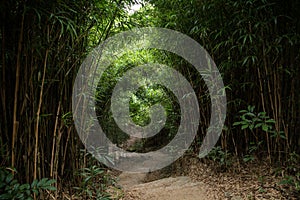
292, 182
141, 101
55, 35
249, 41
248, 158
108, 17
67, 119
94, 182
217, 154
255, 44
291, 175
147, 97
252, 120
145, 16
251, 151
11, 189
292, 164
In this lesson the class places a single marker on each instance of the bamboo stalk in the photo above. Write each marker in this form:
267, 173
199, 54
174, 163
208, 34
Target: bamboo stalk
269, 92
15, 122
54, 139
277, 101
3, 92
56, 156
38, 117
261, 90
65, 151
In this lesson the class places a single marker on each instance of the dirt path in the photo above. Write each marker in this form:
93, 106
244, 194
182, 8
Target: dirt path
190, 179
179, 188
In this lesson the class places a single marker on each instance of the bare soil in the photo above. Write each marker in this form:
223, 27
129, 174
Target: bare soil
190, 179
168, 189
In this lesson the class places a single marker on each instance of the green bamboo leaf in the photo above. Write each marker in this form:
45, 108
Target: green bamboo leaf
270, 121
251, 126
245, 126
236, 123
52, 188
265, 127
9, 178
25, 186
6, 196
34, 183
258, 125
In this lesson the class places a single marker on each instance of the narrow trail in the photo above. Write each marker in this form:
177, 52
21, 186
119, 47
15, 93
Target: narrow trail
138, 187
179, 188
190, 179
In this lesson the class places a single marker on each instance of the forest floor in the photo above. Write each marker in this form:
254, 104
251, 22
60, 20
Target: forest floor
189, 179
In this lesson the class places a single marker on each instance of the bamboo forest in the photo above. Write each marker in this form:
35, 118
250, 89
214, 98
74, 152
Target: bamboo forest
226, 126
